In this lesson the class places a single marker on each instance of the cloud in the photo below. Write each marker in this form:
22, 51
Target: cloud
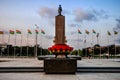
93, 15
49, 37
117, 28
75, 25
47, 12
100, 14
73, 32
118, 24
81, 15
50, 12
77, 40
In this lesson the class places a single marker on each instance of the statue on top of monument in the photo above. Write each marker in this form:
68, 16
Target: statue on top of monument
59, 10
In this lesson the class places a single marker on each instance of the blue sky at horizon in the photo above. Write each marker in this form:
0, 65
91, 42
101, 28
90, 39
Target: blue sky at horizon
100, 15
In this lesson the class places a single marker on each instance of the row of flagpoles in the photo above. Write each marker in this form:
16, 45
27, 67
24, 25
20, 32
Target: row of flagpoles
97, 35
93, 31
43, 32
14, 32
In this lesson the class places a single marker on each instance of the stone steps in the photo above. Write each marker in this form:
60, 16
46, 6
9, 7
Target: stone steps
21, 69
79, 69
99, 69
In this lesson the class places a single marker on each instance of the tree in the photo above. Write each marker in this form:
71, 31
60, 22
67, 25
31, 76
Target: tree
77, 52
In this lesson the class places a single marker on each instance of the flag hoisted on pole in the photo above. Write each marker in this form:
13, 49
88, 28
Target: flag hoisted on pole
79, 32
97, 38
115, 33
19, 32
42, 31
109, 34
100, 41
11, 32
87, 32
37, 32
21, 46
8, 43
85, 45
27, 44
29, 33
15, 47
94, 32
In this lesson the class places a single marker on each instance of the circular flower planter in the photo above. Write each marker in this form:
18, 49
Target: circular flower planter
60, 49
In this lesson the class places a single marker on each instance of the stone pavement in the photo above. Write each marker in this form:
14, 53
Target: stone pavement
20, 62
99, 63
32, 62
43, 76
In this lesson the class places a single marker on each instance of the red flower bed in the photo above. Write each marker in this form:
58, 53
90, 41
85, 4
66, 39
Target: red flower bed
60, 48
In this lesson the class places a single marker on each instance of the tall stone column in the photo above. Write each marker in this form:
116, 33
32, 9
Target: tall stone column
60, 29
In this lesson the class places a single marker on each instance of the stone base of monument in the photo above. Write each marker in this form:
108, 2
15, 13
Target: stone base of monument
60, 65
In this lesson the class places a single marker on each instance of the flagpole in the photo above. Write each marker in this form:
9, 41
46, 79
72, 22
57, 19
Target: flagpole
97, 39
1, 40
100, 43
78, 41
15, 46
85, 47
21, 46
115, 45
36, 46
93, 45
108, 44
41, 46
42, 32
36, 40
8, 45
27, 44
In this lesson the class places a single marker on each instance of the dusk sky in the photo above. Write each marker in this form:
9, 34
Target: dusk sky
100, 15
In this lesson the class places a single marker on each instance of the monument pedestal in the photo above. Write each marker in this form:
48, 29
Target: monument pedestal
60, 65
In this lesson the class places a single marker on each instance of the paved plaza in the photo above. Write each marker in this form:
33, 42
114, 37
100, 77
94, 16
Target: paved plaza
43, 76
33, 62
